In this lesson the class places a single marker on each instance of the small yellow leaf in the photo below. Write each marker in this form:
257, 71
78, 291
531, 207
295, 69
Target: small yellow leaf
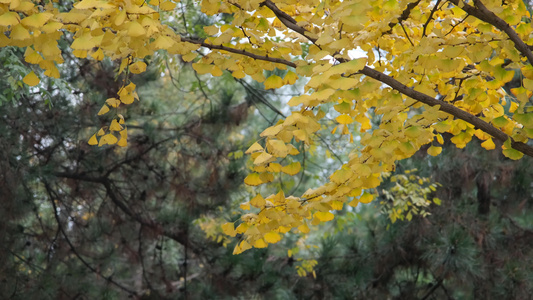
366, 198
245, 206
272, 237
31, 56
336, 205
291, 169
488, 144
258, 201
9, 19
138, 67
290, 78
243, 246
124, 133
202, 68
122, 142
264, 158
103, 110
354, 202
166, 42
108, 139
253, 179
344, 119
167, 5
31, 79
273, 82
260, 243
36, 20
93, 140
304, 228
254, 148
127, 99
242, 228
271, 131
229, 229
120, 18
324, 216
113, 102
135, 29
100, 132
115, 126
434, 151
512, 154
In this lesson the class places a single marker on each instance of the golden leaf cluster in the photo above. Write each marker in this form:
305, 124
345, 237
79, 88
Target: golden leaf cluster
426, 68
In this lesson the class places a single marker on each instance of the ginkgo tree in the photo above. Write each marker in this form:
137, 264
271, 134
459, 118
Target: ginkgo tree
424, 67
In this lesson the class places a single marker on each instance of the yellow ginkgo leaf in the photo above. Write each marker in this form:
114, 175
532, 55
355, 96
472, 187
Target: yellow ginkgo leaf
98, 54
135, 29
272, 237
9, 19
241, 247
166, 42
272, 130
31, 56
138, 67
324, 216
229, 229
258, 201
513, 154
93, 140
291, 169
354, 202
127, 99
115, 126
263, 158
304, 228
488, 144
122, 142
103, 110
113, 102
31, 79
290, 78
36, 20
344, 119
167, 5
245, 206
254, 148
273, 82
260, 243
216, 71
202, 68
124, 133
277, 148
366, 198
434, 151
109, 139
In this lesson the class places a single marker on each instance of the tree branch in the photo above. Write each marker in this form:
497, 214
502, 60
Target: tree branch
407, 91
404, 16
51, 195
446, 107
238, 51
481, 12
430, 17
287, 20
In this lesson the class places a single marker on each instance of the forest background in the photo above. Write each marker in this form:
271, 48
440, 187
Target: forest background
144, 221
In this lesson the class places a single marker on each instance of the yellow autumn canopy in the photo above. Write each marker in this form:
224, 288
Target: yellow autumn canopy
424, 67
